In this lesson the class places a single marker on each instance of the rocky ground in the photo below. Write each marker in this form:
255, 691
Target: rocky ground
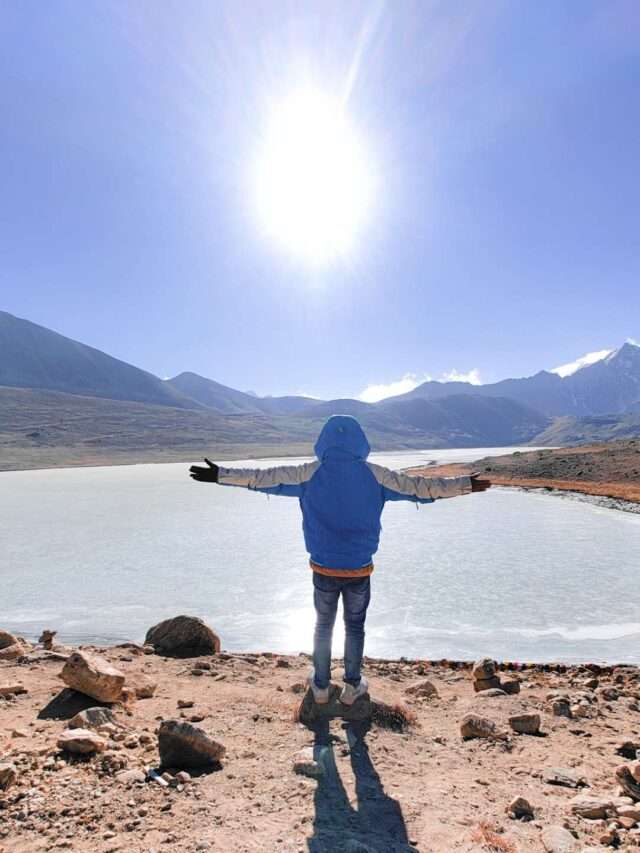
609, 470
438, 767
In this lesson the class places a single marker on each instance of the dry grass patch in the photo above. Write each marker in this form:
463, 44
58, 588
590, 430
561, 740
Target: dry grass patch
491, 840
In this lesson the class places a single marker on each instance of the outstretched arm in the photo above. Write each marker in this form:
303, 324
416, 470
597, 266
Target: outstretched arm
398, 486
281, 480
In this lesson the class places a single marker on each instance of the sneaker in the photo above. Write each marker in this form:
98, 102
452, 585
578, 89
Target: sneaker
320, 694
350, 693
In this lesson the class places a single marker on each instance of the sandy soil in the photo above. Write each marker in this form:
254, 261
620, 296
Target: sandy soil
423, 789
608, 470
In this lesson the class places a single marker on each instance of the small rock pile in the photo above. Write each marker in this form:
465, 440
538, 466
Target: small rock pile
485, 677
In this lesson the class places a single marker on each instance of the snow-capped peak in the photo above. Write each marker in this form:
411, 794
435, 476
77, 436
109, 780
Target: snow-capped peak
584, 361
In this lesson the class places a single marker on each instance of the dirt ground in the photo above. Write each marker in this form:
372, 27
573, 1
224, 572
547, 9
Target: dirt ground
423, 789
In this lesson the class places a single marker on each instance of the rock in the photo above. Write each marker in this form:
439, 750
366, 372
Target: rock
561, 708
519, 808
8, 776
474, 726
12, 647
562, 776
304, 764
12, 689
93, 676
631, 812
81, 741
590, 807
481, 684
46, 638
608, 694
491, 693
185, 703
483, 669
627, 777
423, 689
511, 686
627, 749
130, 777
185, 746
144, 688
183, 637
93, 718
557, 839
183, 777
525, 724
19, 733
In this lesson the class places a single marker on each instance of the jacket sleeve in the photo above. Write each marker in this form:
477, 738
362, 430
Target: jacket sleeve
397, 486
283, 480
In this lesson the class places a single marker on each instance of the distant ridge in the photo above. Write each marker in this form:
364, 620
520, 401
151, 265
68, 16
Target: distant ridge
32, 356
609, 386
63, 376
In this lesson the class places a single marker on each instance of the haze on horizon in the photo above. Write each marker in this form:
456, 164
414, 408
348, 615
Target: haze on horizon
489, 230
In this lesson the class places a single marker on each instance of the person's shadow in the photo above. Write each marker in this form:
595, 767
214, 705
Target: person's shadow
376, 825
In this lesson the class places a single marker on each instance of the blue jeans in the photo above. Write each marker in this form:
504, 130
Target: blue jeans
356, 593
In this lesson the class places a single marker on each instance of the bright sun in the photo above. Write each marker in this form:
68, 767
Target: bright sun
313, 182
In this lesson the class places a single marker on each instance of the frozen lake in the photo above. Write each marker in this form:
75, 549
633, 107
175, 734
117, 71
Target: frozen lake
103, 553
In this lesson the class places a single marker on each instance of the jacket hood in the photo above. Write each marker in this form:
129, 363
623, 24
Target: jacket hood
344, 435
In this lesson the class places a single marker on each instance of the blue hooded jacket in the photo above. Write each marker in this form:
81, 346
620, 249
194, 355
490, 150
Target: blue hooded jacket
342, 495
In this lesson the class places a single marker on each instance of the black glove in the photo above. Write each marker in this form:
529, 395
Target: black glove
205, 475
479, 484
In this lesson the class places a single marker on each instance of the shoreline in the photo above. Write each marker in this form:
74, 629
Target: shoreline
413, 780
610, 470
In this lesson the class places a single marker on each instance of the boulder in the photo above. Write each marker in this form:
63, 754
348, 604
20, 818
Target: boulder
183, 637
93, 676
185, 746
474, 726
93, 718
81, 741
520, 809
423, 689
483, 669
8, 776
304, 764
511, 686
12, 647
590, 807
525, 724
557, 839
491, 693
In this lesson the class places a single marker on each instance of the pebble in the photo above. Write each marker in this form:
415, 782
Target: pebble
304, 764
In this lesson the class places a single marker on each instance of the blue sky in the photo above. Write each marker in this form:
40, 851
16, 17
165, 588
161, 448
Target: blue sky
502, 235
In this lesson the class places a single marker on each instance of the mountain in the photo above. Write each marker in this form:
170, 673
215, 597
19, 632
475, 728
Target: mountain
609, 386
34, 357
586, 430
228, 401
64, 400
469, 420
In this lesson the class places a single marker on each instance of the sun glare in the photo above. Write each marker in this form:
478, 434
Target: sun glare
313, 182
